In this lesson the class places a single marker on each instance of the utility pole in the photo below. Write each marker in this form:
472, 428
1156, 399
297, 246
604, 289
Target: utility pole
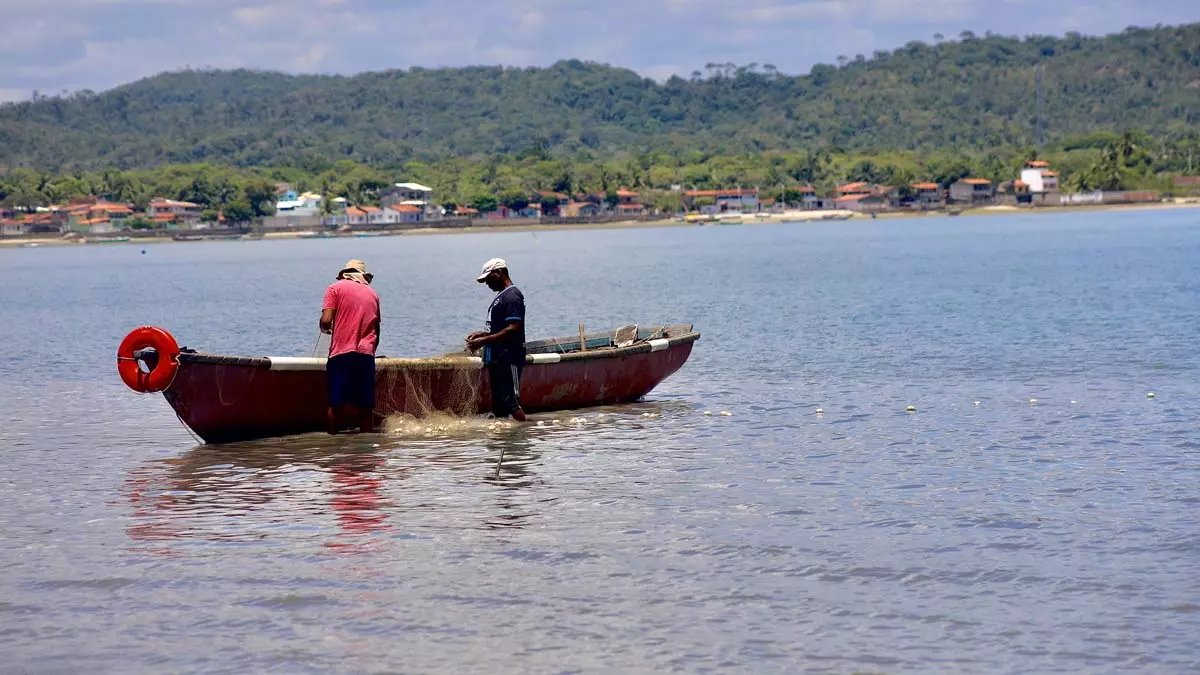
1038, 130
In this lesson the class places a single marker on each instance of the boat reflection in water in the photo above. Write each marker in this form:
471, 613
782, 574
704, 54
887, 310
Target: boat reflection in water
358, 493
349, 492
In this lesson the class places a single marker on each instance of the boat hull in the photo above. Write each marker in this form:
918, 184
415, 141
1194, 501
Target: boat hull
227, 399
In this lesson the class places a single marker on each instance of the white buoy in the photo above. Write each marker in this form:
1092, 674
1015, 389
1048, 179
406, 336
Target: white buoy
1033, 401
977, 404
911, 408
1072, 401
541, 424
820, 411
708, 413
1150, 395
726, 413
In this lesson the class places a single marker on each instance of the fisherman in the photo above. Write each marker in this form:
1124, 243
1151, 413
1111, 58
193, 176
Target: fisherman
504, 340
350, 314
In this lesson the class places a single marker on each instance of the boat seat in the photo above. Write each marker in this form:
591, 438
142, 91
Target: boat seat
625, 336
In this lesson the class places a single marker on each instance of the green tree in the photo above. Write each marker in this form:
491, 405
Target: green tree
260, 195
515, 198
485, 203
239, 211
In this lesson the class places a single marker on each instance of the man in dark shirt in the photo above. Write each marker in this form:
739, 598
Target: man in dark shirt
504, 340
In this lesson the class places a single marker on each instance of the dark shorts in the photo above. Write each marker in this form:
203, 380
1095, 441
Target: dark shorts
351, 380
506, 388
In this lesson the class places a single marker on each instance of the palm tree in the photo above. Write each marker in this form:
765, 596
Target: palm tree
1126, 146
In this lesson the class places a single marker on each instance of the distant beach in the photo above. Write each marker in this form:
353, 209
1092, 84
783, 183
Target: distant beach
795, 217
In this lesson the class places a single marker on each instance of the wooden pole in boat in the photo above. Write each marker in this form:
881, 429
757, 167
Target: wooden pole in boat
582, 340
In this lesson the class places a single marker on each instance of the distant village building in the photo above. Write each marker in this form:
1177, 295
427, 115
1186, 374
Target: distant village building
1187, 184
403, 213
629, 203
170, 213
581, 210
927, 195
355, 216
531, 210
808, 196
856, 188
552, 202
292, 204
411, 194
972, 191
95, 216
1038, 176
737, 199
861, 201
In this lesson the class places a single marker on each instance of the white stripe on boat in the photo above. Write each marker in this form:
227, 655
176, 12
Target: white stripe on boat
659, 345
545, 358
296, 363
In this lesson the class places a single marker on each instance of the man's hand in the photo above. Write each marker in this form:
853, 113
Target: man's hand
476, 341
327, 317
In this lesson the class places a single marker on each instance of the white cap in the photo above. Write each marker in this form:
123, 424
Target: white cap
491, 266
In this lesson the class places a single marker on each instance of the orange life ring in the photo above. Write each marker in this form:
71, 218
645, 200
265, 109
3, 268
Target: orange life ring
161, 370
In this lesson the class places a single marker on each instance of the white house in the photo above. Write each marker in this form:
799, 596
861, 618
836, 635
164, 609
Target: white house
724, 200
403, 213
1038, 176
307, 204
411, 194
405, 192
356, 216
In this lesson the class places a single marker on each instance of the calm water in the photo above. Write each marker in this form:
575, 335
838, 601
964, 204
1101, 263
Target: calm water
989, 537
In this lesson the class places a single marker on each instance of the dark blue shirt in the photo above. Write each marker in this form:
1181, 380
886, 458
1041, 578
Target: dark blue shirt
507, 307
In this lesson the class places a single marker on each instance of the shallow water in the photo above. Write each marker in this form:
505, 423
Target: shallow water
979, 533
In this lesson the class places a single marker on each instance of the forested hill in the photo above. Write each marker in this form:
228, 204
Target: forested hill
969, 92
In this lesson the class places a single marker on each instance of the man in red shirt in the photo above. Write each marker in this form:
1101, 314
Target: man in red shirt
351, 315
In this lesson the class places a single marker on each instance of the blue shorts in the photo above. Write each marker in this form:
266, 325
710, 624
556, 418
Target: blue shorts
351, 380
505, 382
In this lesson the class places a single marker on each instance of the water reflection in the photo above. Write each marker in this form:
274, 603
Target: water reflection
215, 492
514, 456
352, 492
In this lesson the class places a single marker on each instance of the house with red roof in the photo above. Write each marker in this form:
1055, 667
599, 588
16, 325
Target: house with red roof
581, 209
1039, 177
861, 201
97, 216
972, 191
400, 213
927, 195
168, 212
552, 202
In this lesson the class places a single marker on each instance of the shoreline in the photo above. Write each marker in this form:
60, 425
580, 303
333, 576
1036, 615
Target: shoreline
750, 219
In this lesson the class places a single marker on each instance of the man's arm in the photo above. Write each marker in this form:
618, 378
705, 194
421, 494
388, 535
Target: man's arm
327, 316
477, 342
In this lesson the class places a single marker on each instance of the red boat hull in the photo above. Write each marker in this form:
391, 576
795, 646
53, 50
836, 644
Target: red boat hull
228, 399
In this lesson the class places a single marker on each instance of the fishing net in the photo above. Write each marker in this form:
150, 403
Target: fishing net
419, 395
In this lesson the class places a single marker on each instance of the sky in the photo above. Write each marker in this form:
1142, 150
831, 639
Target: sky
56, 45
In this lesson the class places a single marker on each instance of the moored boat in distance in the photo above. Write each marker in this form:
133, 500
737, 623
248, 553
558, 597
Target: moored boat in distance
224, 399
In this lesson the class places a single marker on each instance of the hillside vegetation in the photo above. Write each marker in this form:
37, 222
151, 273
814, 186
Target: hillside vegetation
967, 95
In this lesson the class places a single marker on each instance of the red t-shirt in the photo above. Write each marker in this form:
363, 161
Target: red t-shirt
357, 310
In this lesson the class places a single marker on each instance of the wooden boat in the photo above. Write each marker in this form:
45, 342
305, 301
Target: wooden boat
225, 399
